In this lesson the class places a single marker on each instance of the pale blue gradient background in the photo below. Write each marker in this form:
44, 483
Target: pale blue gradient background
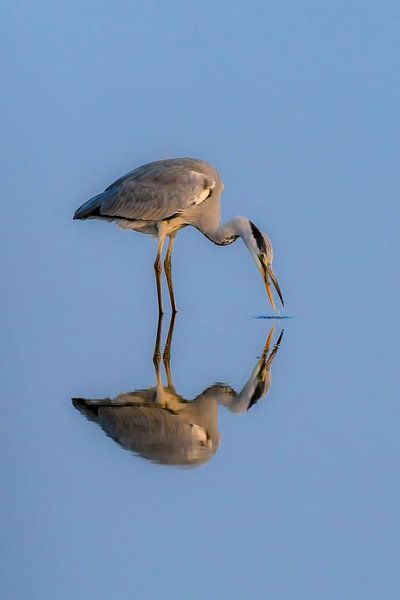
297, 104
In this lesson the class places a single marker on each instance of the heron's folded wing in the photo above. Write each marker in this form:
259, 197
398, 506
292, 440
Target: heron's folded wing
157, 192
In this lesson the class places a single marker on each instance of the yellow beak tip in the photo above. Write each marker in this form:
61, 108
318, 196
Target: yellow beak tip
270, 296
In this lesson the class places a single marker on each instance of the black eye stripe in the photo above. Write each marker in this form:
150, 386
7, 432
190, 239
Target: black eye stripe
258, 236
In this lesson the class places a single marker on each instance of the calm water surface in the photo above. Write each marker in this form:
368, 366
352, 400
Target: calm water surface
295, 473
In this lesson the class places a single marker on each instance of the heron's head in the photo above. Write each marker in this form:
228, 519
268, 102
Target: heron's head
261, 249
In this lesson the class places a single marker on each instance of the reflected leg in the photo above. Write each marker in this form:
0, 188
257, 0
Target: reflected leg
157, 346
167, 351
159, 399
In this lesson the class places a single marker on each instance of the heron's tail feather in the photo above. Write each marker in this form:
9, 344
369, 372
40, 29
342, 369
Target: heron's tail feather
91, 208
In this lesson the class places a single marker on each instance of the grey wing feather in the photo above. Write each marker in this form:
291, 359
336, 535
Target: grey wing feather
159, 190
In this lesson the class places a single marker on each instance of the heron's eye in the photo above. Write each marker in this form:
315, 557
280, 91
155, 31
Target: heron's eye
261, 256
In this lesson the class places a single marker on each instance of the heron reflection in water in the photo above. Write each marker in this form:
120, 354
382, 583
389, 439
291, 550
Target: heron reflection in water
159, 425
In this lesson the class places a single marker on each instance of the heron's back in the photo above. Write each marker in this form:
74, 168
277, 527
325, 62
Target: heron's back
155, 192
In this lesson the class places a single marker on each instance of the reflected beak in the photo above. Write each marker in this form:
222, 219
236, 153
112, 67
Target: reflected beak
268, 274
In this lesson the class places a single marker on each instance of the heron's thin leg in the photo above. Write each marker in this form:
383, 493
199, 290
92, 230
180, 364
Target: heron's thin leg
158, 266
167, 351
167, 269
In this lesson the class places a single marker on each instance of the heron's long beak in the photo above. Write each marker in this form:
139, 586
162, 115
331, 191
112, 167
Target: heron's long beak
268, 274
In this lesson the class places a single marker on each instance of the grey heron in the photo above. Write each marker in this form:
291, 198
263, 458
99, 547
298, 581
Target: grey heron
160, 425
162, 197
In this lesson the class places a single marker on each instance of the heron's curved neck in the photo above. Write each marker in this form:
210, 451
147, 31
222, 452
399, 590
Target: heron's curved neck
227, 233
